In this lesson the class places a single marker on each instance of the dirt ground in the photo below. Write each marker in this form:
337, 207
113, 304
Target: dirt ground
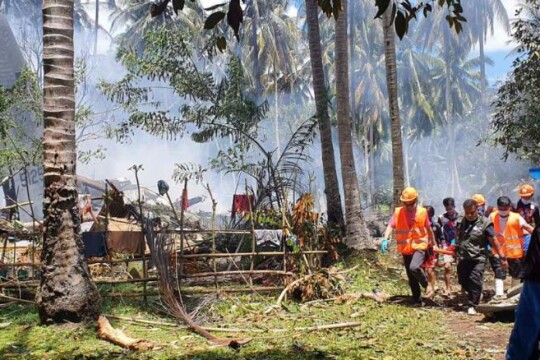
479, 336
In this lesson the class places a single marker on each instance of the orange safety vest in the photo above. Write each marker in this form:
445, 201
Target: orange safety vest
512, 238
414, 238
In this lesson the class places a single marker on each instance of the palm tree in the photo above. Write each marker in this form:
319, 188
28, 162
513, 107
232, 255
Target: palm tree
66, 291
135, 16
415, 94
481, 18
368, 92
357, 234
434, 32
392, 83
333, 198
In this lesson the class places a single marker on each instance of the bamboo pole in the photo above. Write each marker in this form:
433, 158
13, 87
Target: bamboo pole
14, 206
182, 227
214, 206
187, 256
253, 241
262, 253
217, 231
238, 272
107, 215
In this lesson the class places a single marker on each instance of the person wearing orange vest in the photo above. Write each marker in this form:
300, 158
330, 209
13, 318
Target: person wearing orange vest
473, 233
414, 235
509, 230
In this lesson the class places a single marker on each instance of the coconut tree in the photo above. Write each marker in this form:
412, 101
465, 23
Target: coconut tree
481, 18
357, 234
135, 17
66, 291
368, 92
333, 198
453, 48
392, 83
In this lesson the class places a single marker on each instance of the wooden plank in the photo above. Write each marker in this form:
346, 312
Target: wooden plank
226, 255
237, 272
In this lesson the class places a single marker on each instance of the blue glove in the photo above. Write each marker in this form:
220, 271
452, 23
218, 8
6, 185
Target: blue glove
384, 246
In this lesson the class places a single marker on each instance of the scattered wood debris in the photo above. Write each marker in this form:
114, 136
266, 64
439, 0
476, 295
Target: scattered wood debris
107, 332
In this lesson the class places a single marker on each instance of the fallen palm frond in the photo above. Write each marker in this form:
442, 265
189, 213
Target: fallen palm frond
323, 284
107, 332
171, 295
237, 330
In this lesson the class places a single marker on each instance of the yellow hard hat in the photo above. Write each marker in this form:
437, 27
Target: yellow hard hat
408, 194
526, 190
479, 198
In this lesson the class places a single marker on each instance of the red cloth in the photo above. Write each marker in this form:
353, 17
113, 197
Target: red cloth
242, 203
430, 259
185, 200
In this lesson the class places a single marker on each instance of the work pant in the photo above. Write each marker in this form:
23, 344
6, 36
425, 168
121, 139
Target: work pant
514, 267
496, 266
470, 277
524, 341
415, 273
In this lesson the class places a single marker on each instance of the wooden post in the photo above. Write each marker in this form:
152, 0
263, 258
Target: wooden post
29, 199
214, 206
145, 276
136, 170
106, 204
33, 256
182, 229
253, 242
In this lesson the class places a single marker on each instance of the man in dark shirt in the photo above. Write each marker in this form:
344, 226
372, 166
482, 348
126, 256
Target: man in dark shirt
448, 222
474, 232
525, 338
528, 210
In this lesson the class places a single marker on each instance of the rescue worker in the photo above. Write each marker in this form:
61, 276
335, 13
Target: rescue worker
474, 232
479, 198
498, 271
528, 210
414, 236
525, 337
509, 230
448, 222
431, 256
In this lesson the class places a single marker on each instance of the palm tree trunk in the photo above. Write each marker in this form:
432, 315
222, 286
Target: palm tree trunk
96, 27
352, 35
255, 44
333, 198
276, 117
66, 291
357, 234
456, 186
391, 83
483, 80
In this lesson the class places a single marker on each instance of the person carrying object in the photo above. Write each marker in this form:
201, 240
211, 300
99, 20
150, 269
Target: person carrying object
431, 256
473, 233
448, 222
494, 261
510, 230
413, 234
481, 202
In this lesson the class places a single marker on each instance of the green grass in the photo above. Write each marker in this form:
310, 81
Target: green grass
387, 331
